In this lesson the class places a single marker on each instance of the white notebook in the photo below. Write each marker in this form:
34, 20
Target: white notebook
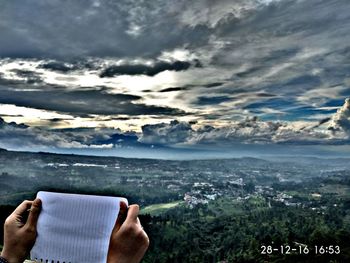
75, 228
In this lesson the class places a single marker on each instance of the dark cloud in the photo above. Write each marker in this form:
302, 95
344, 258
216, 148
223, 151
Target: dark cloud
54, 120
58, 66
29, 76
248, 131
140, 69
4, 124
166, 134
19, 136
323, 121
306, 81
72, 29
119, 118
173, 89
284, 40
14, 84
285, 18
64, 66
265, 95
281, 55
205, 100
213, 85
11, 115
248, 72
191, 87
320, 123
82, 102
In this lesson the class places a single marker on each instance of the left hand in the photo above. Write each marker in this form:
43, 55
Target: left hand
19, 236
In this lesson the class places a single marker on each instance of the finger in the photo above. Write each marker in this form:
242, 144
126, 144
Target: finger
22, 208
34, 213
121, 216
133, 212
138, 223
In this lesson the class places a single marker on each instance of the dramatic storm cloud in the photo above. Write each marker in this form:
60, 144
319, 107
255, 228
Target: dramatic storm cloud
174, 73
14, 136
163, 133
80, 102
140, 69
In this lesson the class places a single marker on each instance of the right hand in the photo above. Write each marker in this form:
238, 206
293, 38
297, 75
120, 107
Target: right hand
129, 242
19, 236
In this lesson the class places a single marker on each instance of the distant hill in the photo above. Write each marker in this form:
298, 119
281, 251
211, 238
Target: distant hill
242, 160
311, 160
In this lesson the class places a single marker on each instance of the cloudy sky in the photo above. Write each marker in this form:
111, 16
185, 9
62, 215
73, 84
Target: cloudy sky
162, 78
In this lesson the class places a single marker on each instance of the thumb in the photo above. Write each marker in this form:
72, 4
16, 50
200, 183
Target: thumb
34, 213
121, 216
133, 213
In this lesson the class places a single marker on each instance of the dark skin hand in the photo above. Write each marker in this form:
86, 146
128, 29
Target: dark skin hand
129, 242
20, 232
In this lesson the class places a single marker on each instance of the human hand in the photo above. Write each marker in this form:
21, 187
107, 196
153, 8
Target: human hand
19, 236
129, 242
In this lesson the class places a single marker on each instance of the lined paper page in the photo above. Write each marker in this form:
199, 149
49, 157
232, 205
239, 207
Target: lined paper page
75, 228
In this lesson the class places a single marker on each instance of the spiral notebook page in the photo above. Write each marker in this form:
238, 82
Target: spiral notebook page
75, 228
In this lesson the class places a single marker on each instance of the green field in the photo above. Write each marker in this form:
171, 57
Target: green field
337, 189
157, 209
